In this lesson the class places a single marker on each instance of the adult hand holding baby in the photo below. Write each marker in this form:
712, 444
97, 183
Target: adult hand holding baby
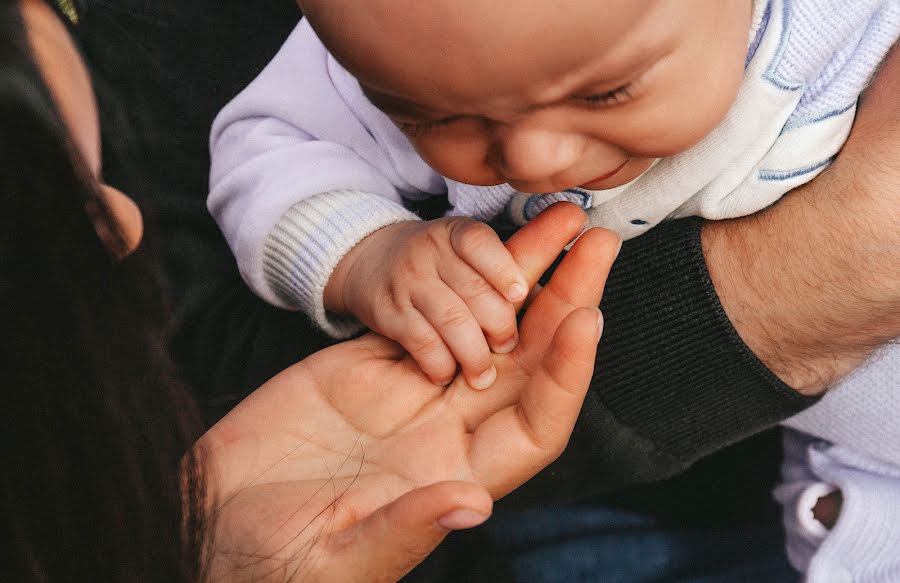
353, 465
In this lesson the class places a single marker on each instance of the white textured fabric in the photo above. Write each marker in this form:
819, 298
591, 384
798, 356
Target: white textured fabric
862, 415
334, 222
862, 412
864, 545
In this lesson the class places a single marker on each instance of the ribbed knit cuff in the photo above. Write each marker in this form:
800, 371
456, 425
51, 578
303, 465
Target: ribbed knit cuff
671, 367
309, 241
673, 380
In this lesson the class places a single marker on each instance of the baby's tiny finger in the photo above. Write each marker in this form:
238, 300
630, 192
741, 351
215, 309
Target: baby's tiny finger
424, 344
456, 324
495, 314
480, 247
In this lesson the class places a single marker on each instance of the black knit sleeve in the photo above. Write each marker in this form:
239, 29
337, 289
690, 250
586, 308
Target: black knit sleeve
673, 382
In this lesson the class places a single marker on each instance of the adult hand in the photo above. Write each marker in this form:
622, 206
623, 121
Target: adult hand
352, 465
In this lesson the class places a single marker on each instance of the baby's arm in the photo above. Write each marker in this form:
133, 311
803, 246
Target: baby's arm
303, 168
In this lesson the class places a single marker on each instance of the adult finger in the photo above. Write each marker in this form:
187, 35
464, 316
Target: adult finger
493, 312
515, 443
395, 538
577, 283
537, 245
452, 319
480, 247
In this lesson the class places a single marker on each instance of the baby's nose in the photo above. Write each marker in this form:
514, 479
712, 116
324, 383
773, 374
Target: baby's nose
534, 155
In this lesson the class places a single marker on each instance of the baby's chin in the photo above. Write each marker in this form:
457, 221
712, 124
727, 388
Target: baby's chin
631, 171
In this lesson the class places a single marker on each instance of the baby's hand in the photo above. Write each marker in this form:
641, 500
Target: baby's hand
444, 289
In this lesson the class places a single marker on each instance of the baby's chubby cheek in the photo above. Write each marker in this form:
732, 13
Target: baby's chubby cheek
464, 161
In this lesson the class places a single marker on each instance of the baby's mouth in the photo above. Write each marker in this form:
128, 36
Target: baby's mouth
595, 182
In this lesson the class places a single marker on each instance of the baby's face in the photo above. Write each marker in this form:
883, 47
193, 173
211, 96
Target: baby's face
543, 94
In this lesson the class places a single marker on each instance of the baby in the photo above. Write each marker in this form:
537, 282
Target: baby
638, 110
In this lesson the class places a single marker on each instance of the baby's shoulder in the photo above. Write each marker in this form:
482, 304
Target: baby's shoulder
828, 51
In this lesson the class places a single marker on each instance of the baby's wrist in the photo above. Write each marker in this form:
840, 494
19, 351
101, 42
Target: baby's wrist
334, 296
341, 280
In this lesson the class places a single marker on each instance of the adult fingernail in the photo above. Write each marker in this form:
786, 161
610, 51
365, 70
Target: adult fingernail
599, 325
517, 292
486, 379
462, 519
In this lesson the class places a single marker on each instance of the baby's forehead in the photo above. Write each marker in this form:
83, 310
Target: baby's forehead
450, 27
389, 43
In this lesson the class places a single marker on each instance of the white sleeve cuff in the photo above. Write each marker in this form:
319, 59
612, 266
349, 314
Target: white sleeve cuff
864, 545
309, 241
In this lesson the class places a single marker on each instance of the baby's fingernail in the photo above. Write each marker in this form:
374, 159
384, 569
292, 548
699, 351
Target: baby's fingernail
517, 292
507, 346
462, 519
486, 379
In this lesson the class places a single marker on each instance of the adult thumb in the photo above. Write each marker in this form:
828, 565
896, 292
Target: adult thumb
388, 543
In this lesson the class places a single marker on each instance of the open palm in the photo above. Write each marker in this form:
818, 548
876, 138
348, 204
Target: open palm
341, 467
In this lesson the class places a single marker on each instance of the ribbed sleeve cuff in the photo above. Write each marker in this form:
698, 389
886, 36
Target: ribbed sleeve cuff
671, 367
306, 245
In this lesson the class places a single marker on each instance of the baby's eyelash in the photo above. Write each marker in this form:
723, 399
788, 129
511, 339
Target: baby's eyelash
418, 128
614, 97
608, 99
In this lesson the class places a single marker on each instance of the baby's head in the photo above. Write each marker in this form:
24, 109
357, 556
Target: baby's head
543, 94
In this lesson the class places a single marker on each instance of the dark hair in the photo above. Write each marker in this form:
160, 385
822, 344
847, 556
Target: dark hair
98, 480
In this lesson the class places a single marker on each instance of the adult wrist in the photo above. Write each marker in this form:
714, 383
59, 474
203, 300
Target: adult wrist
811, 284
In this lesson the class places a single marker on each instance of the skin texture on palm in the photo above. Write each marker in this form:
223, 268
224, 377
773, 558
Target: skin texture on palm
356, 441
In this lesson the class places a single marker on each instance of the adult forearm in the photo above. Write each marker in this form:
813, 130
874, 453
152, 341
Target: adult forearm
812, 285
699, 315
